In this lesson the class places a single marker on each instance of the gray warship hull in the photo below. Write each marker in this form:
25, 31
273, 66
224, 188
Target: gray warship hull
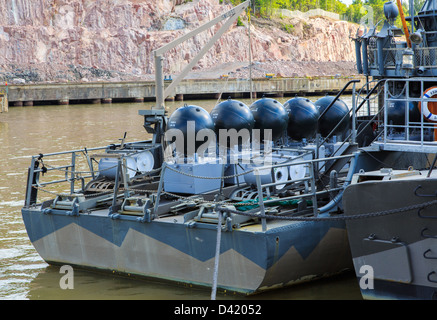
175, 250
178, 214
399, 243
391, 219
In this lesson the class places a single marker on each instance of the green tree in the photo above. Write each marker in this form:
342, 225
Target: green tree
354, 12
378, 9
418, 4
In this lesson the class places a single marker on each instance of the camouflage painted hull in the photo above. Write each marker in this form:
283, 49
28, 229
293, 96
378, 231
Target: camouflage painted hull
173, 249
400, 248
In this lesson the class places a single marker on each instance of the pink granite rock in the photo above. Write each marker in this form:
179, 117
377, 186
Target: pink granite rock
113, 40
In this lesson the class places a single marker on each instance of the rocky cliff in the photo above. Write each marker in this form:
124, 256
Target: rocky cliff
88, 40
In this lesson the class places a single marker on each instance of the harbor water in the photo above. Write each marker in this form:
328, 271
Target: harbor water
27, 131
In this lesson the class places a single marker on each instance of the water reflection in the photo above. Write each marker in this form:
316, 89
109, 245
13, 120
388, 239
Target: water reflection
27, 131
96, 286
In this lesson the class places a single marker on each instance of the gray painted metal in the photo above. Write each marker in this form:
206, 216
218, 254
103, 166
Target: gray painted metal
395, 245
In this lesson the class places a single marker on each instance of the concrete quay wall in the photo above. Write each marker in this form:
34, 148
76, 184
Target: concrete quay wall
106, 92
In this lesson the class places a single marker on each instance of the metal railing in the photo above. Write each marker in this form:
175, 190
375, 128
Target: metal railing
410, 135
426, 57
313, 192
265, 190
354, 111
391, 55
423, 57
74, 166
39, 168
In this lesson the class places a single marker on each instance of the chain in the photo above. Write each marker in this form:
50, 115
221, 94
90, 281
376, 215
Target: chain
99, 193
220, 207
47, 191
335, 218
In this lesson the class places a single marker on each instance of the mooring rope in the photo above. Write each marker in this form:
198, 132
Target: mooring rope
217, 256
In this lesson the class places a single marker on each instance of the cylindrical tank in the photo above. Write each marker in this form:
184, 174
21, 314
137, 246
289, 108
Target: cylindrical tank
275, 175
145, 161
333, 116
269, 114
396, 111
303, 117
232, 114
189, 120
108, 167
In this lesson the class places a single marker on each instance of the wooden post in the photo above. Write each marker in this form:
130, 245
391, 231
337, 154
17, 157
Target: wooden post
4, 99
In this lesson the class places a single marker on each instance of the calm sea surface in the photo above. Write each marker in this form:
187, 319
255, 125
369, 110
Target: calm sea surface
26, 131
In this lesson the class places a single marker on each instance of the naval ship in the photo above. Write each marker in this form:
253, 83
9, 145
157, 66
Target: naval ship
257, 210
391, 214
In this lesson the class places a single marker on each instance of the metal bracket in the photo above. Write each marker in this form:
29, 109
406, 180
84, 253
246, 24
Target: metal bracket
393, 250
191, 202
422, 233
429, 277
426, 256
152, 119
423, 195
138, 206
419, 213
148, 217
